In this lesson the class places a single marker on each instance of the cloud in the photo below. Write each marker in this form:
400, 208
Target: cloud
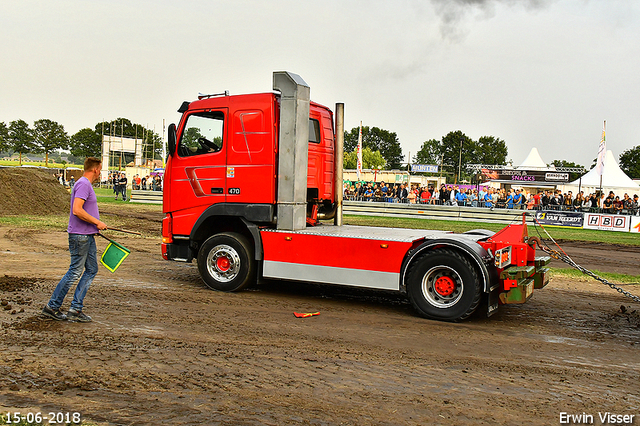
453, 13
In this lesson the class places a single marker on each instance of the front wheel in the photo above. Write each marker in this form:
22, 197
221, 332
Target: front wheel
225, 262
443, 285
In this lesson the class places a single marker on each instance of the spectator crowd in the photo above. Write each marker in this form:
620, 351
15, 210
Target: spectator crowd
454, 195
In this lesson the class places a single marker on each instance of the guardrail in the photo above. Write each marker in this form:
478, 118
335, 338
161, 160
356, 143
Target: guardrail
373, 208
429, 211
148, 197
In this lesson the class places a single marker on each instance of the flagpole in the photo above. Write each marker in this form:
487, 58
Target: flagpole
359, 154
602, 150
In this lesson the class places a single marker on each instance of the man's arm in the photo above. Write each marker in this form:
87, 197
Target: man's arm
79, 211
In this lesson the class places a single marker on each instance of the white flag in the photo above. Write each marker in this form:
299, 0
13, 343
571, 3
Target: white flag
359, 153
602, 150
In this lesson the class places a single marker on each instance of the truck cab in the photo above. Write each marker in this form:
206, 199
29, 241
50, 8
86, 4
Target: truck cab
224, 162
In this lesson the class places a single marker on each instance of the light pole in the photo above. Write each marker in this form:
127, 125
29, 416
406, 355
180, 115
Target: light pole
459, 162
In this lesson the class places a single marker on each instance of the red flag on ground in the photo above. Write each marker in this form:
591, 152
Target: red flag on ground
305, 315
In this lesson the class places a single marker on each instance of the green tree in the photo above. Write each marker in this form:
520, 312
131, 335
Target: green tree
49, 136
630, 162
86, 143
491, 150
120, 127
21, 138
430, 153
564, 163
4, 137
370, 159
457, 150
377, 140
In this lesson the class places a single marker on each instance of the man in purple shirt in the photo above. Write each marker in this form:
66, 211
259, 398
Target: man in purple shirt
84, 223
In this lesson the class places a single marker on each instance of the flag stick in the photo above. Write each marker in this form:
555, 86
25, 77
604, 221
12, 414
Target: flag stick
124, 230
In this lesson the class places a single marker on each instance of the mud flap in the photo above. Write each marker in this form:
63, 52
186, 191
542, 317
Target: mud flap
493, 300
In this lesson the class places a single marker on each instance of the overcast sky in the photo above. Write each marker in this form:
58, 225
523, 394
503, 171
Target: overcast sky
536, 73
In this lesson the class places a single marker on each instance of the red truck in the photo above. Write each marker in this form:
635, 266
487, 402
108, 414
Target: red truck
250, 179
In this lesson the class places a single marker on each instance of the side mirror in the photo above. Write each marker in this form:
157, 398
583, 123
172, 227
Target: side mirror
171, 139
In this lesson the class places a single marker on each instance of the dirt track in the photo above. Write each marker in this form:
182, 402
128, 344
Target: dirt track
164, 349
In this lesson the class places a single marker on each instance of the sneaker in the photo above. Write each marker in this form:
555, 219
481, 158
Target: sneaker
55, 314
75, 316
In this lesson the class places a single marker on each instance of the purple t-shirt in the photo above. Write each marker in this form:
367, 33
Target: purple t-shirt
83, 189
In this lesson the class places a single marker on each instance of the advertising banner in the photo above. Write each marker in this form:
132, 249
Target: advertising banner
635, 224
560, 218
425, 168
525, 176
607, 222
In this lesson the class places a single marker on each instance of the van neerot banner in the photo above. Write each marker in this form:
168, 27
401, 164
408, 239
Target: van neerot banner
524, 176
560, 218
607, 222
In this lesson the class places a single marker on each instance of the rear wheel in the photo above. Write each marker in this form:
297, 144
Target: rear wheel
443, 285
225, 262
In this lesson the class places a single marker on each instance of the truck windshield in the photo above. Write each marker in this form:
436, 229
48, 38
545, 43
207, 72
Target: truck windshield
202, 134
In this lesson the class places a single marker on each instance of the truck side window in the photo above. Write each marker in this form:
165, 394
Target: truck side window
314, 131
202, 134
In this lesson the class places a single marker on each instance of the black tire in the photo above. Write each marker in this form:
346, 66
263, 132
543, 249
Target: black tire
226, 263
443, 285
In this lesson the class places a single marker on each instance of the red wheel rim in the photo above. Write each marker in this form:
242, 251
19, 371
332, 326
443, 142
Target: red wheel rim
223, 264
445, 286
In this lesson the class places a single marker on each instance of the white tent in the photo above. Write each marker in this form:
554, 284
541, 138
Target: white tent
613, 179
534, 161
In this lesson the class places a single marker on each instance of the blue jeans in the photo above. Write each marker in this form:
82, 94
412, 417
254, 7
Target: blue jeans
83, 257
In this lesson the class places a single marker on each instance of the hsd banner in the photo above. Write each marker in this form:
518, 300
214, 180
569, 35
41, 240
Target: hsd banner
560, 218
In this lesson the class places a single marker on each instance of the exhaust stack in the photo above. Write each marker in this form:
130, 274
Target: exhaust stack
339, 155
293, 150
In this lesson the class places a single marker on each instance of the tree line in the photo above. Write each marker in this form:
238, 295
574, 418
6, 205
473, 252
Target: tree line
381, 148
47, 137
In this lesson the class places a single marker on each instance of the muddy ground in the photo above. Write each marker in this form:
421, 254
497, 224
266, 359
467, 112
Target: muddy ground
163, 349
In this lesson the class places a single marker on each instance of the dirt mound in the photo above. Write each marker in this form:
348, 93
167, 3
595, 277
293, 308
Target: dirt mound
9, 283
31, 192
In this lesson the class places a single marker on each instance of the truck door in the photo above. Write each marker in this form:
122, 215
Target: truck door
200, 166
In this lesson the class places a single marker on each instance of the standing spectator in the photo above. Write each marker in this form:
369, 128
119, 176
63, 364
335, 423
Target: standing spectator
567, 201
607, 205
122, 183
510, 199
72, 182
461, 198
377, 193
442, 194
518, 199
425, 196
627, 204
617, 205
577, 202
635, 206
488, 200
403, 193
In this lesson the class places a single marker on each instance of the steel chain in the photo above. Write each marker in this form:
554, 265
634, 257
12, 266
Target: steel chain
566, 259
